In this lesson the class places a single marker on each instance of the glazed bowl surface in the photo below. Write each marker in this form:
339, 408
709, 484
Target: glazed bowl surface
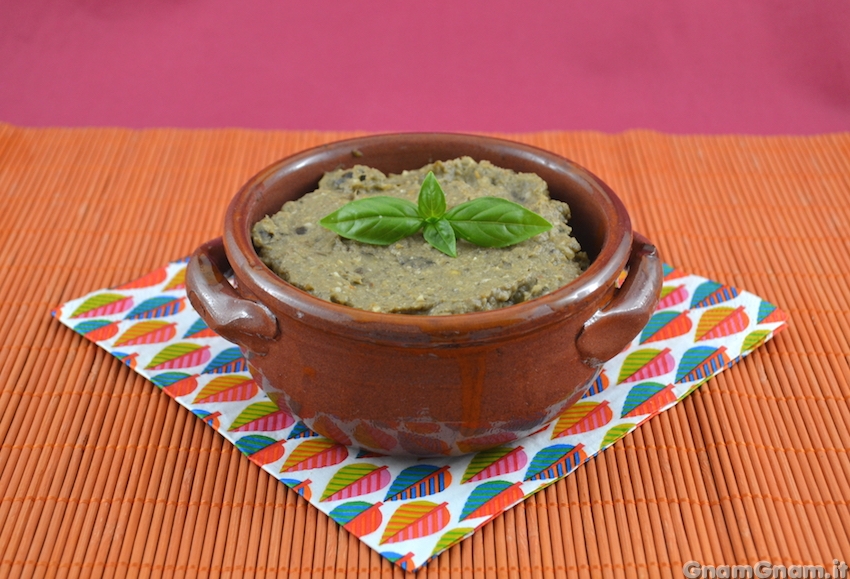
427, 385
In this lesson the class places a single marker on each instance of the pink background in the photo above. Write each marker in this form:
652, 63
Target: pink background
689, 66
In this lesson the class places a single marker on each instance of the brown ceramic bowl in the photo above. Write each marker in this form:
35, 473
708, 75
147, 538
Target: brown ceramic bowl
427, 385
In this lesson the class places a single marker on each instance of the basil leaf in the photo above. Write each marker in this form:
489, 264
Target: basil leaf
432, 200
375, 220
495, 222
441, 235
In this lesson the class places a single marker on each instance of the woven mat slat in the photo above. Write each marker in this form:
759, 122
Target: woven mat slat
102, 475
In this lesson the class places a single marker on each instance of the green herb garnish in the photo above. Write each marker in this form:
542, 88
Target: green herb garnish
486, 221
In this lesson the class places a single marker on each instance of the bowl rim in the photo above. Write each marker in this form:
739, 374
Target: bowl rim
299, 304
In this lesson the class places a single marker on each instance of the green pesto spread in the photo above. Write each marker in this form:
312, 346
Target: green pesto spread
410, 276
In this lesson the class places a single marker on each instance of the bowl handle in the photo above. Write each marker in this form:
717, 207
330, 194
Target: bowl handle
611, 329
234, 318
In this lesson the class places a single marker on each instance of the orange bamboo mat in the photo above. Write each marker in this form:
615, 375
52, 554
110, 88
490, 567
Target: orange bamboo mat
103, 475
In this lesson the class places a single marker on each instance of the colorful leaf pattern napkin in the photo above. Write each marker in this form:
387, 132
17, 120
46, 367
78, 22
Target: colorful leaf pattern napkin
411, 510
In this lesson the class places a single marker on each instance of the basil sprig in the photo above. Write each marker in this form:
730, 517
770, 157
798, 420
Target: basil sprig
486, 221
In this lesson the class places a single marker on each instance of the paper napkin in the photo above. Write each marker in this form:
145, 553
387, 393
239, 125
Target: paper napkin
410, 510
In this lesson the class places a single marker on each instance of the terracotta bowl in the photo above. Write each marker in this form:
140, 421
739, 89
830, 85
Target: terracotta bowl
427, 385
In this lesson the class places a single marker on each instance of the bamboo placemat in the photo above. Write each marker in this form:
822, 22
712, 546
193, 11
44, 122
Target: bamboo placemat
102, 475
